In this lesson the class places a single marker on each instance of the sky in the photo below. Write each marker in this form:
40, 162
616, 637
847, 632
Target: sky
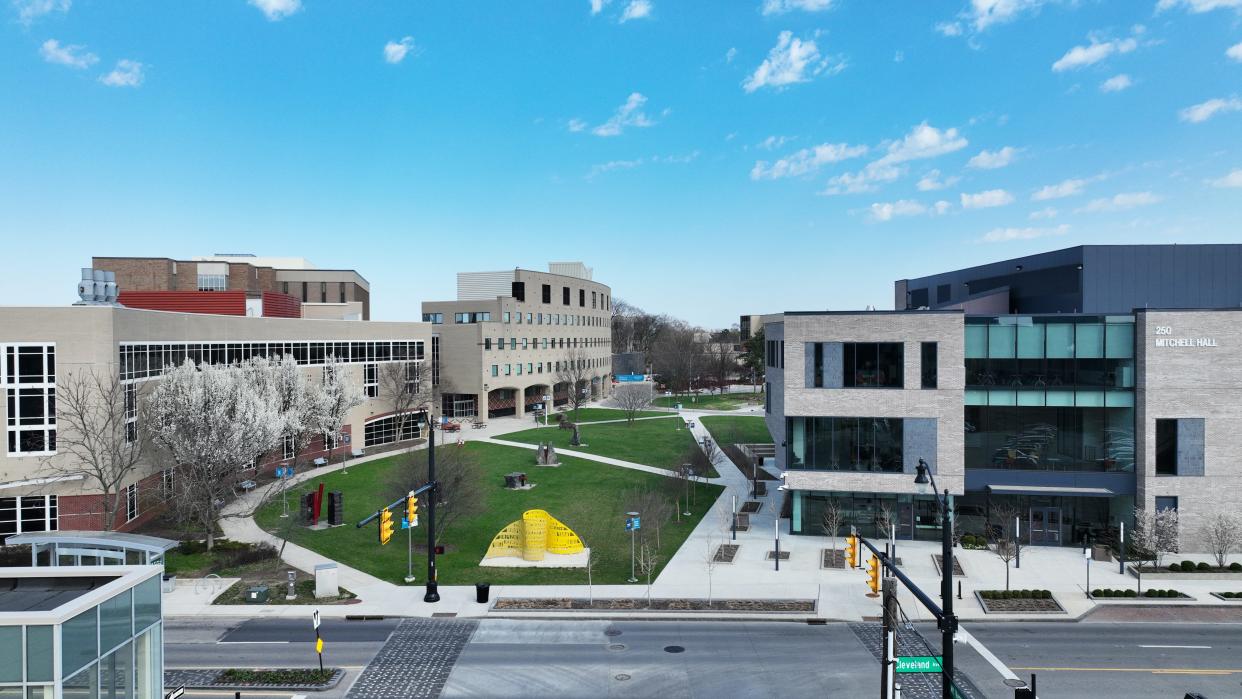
707, 159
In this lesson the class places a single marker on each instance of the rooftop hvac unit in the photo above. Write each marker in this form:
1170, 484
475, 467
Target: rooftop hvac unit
97, 288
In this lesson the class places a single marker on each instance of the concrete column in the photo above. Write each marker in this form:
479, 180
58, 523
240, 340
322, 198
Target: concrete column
480, 405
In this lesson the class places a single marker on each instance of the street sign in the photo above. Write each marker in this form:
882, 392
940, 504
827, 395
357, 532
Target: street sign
919, 663
406, 524
633, 523
315, 619
347, 439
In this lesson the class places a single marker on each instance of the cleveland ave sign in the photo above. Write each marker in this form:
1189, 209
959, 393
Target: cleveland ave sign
918, 663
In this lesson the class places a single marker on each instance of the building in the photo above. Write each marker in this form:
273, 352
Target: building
94, 631
273, 287
1062, 418
513, 337
749, 325
43, 348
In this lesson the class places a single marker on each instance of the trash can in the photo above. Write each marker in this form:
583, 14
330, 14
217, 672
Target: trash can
257, 595
169, 583
481, 592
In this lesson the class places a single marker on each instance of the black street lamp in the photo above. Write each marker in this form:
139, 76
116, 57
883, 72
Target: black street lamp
948, 624
433, 587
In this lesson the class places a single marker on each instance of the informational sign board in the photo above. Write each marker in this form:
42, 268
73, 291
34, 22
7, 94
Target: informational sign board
315, 619
624, 378
633, 523
919, 663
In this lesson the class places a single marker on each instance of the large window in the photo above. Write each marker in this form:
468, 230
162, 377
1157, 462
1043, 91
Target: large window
845, 444
1050, 351
928, 352
384, 430
213, 282
1166, 447
1048, 438
131, 502
28, 513
29, 380
140, 360
872, 365
370, 380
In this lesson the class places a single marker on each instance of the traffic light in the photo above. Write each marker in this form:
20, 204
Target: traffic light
385, 525
411, 510
851, 551
873, 574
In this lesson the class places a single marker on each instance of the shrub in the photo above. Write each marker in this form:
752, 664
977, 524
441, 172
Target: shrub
1188, 566
1097, 592
1150, 593
1045, 594
1203, 567
1175, 568
1131, 593
1235, 567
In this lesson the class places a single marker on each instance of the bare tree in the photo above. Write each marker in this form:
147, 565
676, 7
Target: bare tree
633, 399
400, 387
830, 523
460, 476
710, 561
1222, 535
213, 422
97, 435
1155, 533
678, 357
576, 370
1002, 530
720, 360
633, 329
648, 561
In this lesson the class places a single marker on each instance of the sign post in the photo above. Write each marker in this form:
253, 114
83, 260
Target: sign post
632, 524
547, 405
318, 639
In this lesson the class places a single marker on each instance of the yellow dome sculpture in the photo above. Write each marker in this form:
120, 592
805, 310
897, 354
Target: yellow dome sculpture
535, 534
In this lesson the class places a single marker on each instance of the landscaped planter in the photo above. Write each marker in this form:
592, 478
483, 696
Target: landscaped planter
274, 679
656, 605
1143, 598
1166, 574
1221, 595
1040, 605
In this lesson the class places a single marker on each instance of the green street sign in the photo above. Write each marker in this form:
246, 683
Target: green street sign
919, 663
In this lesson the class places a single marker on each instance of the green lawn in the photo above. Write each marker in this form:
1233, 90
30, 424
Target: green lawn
586, 496
703, 401
648, 442
737, 429
601, 414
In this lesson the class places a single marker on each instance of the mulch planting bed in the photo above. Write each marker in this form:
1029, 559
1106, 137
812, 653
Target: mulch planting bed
832, 559
725, 553
784, 555
743, 523
1020, 606
957, 565
640, 603
751, 507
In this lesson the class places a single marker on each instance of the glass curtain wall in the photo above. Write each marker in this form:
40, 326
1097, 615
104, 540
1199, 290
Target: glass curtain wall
844, 444
911, 516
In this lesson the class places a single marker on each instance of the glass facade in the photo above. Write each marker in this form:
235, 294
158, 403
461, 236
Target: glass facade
873, 365
1048, 352
844, 444
912, 516
1050, 438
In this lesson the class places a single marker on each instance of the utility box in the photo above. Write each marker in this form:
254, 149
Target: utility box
257, 595
336, 511
326, 581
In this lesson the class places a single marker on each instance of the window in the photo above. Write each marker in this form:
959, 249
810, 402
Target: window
508, 369
28, 513
384, 430
131, 502
323, 292
594, 300
547, 293
942, 293
212, 282
928, 352
1049, 438
525, 343
370, 380
529, 318
166, 482
495, 370
487, 343
286, 447
564, 296
305, 292
29, 380
342, 292
845, 444
1166, 502
131, 413
284, 287
1166, 447
818, 365
872, 365
582, 298
413, 375
519, 369
518, 317
505, 316
433, 318
519, 291
513, 343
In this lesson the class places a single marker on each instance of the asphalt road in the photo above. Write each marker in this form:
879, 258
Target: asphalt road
671, 659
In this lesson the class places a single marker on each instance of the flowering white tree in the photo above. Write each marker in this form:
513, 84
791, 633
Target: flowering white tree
1155, 533
1222, 535
340, 395
213, 420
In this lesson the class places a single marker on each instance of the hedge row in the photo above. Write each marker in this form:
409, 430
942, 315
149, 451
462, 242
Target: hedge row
1015, 594
1192, 567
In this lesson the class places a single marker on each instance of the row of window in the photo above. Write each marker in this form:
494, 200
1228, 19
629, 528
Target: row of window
515, 317
323, 291
774, 354
553, 343
384, 430
598, 299
28, 513
29, 383
550, 367
140, 360
846, 444
867, 365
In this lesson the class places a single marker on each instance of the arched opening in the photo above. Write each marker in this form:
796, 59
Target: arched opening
502, 402
560, 393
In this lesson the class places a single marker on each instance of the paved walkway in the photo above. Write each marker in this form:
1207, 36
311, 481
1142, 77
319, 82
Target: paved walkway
841, 594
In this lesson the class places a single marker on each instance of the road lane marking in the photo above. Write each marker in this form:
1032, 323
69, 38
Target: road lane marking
246, 643
1150, 670
1175, 647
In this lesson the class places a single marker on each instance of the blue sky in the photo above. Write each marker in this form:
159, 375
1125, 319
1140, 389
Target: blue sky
706, 158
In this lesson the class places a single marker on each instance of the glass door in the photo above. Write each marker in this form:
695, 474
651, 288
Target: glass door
1046, 526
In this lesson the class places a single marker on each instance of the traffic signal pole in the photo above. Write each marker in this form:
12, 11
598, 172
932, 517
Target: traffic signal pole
889, 620
433, 585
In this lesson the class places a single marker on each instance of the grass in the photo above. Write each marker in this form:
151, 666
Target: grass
600, 414
586, 496
649, 442
737, 429
717, 401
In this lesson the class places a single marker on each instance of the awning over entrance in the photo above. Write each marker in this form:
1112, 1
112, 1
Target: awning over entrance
1050, 490
93, 548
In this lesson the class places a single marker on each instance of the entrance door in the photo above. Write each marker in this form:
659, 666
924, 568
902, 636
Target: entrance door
1046, 526
905, 520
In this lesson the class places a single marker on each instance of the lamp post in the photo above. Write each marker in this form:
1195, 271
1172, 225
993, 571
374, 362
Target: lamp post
948, 625
433, 587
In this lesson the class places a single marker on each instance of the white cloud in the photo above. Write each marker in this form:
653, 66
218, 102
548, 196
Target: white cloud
1121, 202
1093, 53
791, 61
780, 7
72, 55
127, 73
614, 165
931, 182
899, 57
628, 114
30, 10
992, 160
886, 211
276, 10
941, 207
1233, 179
1001, 235
1198, 6
806, 161
637, 9
576, 125
1206, 110
1117, 83
730, 54
1068, 188
1235, 52
923, 141
1044, 213
984, 13
597, 6
773, 142
986, 200
949, 28
396, 51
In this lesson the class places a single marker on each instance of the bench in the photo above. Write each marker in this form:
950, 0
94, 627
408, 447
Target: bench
358, 453
321, 461
479, 425
247, 485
